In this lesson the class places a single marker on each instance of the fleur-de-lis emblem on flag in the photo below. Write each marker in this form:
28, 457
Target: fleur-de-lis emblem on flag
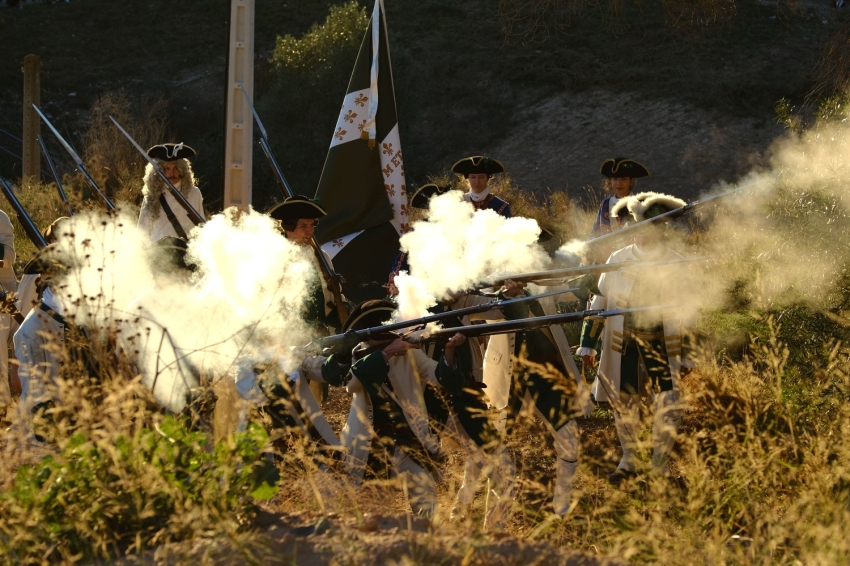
361, 100
340, 133
390, 189
388, 148
362, 125
404, 210
405, 228
403, 190
338, 243
350, 116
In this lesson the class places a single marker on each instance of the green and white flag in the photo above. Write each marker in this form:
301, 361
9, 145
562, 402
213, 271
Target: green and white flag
362, 184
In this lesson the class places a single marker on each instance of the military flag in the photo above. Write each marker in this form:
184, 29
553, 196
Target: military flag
362, 184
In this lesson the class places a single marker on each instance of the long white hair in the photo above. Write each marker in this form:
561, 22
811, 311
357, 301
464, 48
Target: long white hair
154, 185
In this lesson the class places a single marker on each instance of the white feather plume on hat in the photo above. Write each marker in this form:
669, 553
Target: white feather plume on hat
638, 205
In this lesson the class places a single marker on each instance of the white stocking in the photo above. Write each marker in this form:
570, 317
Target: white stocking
627, 421
665, 425
567, 450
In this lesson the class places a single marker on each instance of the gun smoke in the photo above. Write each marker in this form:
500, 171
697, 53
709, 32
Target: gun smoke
457, 247
245, 299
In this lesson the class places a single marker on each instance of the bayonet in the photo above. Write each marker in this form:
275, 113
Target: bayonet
55, 175
80, 167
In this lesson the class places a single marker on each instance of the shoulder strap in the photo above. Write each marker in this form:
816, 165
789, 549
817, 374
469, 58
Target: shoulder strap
169, 214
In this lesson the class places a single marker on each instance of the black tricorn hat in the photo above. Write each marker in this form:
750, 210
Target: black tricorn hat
424, 193
50, 262
478, 164
171, 151
294, 208
618, 167
369, 314
168, 254
49, 233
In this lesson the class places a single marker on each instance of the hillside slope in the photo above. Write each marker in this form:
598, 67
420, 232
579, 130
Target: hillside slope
695, 108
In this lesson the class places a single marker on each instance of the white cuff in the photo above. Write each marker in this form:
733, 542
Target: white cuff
584, 351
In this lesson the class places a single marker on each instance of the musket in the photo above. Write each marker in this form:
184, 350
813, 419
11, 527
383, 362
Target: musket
80, 167
331, 342
53, 172
193, 215
510, 326
566, 272
631, 231
334, 279
55, 175
28, 225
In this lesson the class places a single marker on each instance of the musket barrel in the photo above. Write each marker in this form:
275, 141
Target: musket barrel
583, 270
80, 167
55, 175
518, 325
28, 225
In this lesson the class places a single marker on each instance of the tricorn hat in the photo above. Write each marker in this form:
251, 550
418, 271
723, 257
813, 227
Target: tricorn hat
623, 167
369, 314
294, 208
171, 151
49, 233
478, 164
168, 254
424, 193
642, 206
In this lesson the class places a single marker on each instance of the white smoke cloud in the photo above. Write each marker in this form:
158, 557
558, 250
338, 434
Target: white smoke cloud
246, 299
458, 247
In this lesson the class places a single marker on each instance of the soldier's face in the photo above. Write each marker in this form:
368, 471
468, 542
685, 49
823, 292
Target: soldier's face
478, 181
171, 171
303, 233
622, 186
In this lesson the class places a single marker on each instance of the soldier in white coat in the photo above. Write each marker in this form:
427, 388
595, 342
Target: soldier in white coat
161, 215
645, 351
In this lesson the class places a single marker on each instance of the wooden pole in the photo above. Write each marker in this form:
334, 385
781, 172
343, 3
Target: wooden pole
32, 126
238, 135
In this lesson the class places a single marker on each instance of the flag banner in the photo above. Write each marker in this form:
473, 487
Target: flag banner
365, 262
362, 184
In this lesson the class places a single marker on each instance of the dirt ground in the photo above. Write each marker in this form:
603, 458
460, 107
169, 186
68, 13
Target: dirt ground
687, 149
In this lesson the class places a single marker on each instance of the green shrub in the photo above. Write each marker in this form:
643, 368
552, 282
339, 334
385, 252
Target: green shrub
104, 494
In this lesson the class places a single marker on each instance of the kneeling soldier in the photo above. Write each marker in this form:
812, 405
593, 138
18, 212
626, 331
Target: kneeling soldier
387, 432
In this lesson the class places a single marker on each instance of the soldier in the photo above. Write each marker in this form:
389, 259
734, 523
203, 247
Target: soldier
550, 381
30, 287
478, 170
161, 215
299, 217
621, 174
8, 284
387, 431
646, 351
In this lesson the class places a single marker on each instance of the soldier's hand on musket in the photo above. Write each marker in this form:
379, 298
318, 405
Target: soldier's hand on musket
588, 361
514, 288
456, 340
449, 352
